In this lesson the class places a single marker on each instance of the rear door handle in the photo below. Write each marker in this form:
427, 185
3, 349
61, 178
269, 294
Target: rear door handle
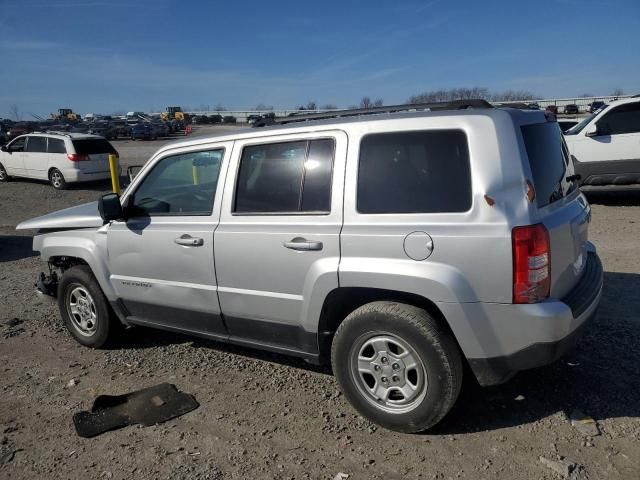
187, 240
302, 244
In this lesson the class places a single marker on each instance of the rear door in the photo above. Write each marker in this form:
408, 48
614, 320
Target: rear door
277, 245
36, 159
161, 260
97, 151
562, 209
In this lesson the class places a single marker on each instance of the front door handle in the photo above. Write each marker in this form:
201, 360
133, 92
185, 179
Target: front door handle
187, 240
302, 244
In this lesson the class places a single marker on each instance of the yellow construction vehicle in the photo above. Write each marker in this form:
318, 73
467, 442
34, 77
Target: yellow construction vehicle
174, 113
65, 114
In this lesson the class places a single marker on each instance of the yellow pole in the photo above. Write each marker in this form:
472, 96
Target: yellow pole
194, 171
115, 173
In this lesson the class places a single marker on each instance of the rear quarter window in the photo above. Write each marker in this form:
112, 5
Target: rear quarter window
547, 159
414, 172
93, 146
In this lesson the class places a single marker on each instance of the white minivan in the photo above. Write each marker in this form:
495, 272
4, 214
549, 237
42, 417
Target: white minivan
59, 157
605, 146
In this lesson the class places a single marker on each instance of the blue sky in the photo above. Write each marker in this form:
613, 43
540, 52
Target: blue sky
105, 56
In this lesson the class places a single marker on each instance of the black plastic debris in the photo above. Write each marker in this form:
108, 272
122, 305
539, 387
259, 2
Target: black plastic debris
147, 407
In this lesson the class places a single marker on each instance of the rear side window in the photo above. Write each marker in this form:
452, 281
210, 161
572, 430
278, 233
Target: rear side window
93, 146
414, 172
287, 177
622, 119
548, 160
56, 146
36, 144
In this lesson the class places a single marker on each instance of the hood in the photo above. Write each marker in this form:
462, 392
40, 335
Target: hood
81, 216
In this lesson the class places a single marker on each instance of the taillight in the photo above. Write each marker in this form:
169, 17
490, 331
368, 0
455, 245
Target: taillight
531, 263
74, 157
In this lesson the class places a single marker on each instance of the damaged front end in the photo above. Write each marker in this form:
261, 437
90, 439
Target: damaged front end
47, 285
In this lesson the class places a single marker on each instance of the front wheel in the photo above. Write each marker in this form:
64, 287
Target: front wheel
4, 177
84, 307
397, 365
57, 179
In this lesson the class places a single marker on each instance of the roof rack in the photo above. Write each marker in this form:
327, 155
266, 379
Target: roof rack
435, 106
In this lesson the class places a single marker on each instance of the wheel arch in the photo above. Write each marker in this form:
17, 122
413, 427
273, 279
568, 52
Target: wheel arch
340, 302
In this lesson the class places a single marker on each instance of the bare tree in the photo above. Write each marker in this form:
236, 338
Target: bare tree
366, 102
617, 92
328, 106
512, 95
465, 93
378, 102
311, 105
220, 108
14, 111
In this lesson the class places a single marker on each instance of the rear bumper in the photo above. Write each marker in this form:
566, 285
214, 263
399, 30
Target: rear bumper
511, 338
71, 176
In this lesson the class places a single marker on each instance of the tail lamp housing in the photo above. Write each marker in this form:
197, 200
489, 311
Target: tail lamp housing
531, 263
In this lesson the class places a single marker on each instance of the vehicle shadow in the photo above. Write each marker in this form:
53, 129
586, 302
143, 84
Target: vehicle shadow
613, 196
142, 337
600, 377
16, 247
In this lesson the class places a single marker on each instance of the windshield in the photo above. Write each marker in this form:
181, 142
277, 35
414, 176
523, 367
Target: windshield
548, 160
578, 128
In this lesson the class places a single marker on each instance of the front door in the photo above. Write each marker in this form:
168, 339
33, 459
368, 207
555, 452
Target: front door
161, 259
277, 245
13, 159
618, 140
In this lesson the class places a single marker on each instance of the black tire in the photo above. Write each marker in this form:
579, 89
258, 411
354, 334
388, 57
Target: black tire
56, 179
422, 336
4, 177
98, 330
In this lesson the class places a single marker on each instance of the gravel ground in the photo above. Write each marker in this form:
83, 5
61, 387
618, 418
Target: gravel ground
267, 416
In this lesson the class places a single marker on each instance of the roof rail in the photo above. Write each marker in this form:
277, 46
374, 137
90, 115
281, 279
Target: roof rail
57, 132
435, 106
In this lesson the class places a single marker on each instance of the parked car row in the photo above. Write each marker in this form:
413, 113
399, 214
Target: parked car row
206, 119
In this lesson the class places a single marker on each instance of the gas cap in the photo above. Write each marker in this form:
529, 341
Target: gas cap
418, 245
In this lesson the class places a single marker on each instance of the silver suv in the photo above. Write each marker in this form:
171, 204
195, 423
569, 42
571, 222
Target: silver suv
398, 245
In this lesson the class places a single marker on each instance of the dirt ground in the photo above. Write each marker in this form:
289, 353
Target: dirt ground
268, 416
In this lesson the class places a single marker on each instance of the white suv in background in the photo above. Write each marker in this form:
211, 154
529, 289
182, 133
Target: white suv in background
605, 146
59, 157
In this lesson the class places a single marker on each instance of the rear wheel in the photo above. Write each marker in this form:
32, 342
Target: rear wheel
3, 174
84, 307
57, 179
397, 365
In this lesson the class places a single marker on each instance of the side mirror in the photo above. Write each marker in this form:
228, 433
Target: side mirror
4, 148
110, 208
592, 131
132, 171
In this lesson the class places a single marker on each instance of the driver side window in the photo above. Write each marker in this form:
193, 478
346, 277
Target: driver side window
18, 145
179, 185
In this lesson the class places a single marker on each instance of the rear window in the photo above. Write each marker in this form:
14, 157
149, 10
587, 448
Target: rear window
548, 160
414, 172
92, 146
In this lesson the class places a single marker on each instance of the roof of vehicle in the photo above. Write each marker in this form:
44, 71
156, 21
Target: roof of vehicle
622, 101
523, 116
